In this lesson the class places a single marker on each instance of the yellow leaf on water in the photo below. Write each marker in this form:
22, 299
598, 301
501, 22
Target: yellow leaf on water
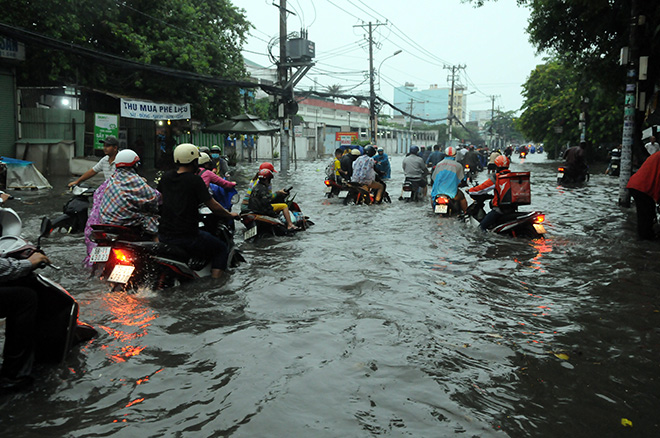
625, 422
562, 356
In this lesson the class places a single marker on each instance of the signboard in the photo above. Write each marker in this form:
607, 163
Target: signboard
104, 125
11, 49
346, 138
144, 109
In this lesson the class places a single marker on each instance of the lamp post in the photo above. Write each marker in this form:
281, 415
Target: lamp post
373, 114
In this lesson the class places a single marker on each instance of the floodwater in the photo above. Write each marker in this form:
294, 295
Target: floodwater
378, 321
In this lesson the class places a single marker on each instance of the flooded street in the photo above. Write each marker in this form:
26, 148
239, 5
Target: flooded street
378, 320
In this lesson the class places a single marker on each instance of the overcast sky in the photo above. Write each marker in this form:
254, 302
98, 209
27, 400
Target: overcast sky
490, 41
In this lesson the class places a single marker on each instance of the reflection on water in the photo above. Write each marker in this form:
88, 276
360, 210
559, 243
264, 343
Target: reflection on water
379, 320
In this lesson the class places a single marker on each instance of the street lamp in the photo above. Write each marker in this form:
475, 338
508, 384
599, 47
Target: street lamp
373, 114
381, 64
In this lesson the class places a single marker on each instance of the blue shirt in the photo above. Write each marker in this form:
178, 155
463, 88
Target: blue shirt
383, 164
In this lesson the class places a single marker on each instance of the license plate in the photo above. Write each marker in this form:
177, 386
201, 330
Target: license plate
407, 194
560, 175
250, 233
100, 254
539, 228
343, 194
121, 274
328, 189
442, 209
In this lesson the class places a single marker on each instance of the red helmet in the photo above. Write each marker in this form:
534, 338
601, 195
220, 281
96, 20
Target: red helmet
269, 166
502, 161
265, 174
450, 151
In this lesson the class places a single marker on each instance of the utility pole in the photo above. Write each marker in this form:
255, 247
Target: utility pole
492, 119
630, 107
454, 70
282, 76
411, 114
372, 92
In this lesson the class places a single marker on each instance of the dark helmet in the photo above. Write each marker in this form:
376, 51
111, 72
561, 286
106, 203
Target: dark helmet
370, 151
414, 150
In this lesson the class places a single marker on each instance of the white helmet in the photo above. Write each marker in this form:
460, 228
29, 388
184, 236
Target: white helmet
204, 158
185, 153
126, 158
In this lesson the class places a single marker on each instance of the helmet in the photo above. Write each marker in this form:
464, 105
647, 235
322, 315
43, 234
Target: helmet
502, 161
265, 174
126, 158
204, 158
269, 166
370, 150
450, 151
204, 149
414, 150
355, 151
215, 147
185, 153
381, 150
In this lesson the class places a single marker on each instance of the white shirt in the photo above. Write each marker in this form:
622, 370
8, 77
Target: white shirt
104, 166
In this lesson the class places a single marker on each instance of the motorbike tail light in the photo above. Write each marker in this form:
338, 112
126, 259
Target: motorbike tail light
561, 169
442, 200
122, 256
540, 218
327, 182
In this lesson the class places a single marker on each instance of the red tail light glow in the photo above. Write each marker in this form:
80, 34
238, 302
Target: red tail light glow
327, 182
539, 218
122, 256
441, 200
561, 169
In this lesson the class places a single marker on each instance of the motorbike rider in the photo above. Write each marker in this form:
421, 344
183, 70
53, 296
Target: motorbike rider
18, 304
221, 166
128, 200
107, 166
364, 173
182, 192
207, 174
415, 170
435, 157
261, 199
447, 177
575, 161
346, 163
253, 181
472, 159
333, 168
491, 160
382, 165
644, 186
496, 210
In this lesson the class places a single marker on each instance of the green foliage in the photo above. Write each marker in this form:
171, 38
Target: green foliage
505, 125
555, 95
265, 109
203, 37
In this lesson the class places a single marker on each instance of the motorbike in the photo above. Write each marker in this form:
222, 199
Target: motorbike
57, 326
615, 165
74, 213
565, 176
128, 258
259, 225
412, 190
515, 223
361, 194
523, 154
334, 188
470, 175
446, 206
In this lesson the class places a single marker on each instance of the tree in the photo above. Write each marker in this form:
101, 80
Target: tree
554, 98
203, 37
503, 125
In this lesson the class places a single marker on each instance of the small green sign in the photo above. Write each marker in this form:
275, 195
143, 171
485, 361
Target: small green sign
105, 125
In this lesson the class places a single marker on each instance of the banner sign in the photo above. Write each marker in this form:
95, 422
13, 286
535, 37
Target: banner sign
144, 109
346, 138
11, 49
104, 125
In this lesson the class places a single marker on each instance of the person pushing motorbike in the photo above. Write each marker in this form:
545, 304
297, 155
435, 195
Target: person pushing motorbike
497, 210
447, 177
